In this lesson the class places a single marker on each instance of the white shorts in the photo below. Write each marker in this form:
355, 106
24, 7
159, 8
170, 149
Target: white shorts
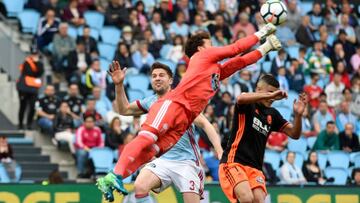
185, 175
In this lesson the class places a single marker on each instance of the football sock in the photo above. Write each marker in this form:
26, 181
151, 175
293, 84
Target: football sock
145, 198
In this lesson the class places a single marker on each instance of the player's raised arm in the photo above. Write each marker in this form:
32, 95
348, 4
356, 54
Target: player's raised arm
118, 76
210, 131
254, 97
294, 130
240, 62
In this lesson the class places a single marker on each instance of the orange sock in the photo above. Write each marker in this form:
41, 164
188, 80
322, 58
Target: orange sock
130, 159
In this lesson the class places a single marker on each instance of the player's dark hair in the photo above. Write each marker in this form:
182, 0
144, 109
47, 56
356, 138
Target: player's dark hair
330, 123
158, 65
195, 41
269, 80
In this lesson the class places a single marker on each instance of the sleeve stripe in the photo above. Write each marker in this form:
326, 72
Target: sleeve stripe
282, 128
141, 107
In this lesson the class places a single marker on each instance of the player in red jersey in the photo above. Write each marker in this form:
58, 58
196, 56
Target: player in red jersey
170, 116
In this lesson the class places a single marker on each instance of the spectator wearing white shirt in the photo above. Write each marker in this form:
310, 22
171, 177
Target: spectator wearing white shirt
290, 173
334, 91
157, 27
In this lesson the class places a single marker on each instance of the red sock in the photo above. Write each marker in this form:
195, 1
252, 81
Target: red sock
130, 158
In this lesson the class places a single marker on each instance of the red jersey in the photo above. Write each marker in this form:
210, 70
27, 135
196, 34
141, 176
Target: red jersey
203, 75
313, 91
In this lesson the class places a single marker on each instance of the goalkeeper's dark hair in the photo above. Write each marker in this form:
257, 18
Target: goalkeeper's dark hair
195, 41
269, 80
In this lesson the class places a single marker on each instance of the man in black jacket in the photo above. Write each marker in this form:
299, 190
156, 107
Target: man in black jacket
89, 41
28, 84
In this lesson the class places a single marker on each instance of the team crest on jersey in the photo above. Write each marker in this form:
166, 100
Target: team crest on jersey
260, 180
269, 119
215, 81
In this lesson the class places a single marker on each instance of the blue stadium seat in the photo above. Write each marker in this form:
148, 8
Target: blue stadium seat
311, 141
299, 145
164, 51
339, 159
339, 174
299, 158
293, 51
357, 161
292, 95
305, 6
285, 112
29, 19
350, 170
4, 177
273, 158
322, 159
13, 7
331, 38
107, 51
148, 93
352, 156
94, 19
116, 154
272, 55
169, 63
72, 32
266, 66
134, 94
104, 64
139, 82
110, 35
102, 158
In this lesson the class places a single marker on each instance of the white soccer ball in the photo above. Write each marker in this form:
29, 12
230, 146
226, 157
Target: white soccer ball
274, 11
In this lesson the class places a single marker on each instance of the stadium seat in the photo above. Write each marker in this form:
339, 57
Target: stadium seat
169, 63
357, 161
110, 35
134, 94
311, 141
165, 50
331, 38
285, 112
213, 165
104, 64
293, 51
350, 170
148, 93
305, 6
339, 159
139, 82
72, 32
107, 51
322, 160
29, 19
266, 66
339, 174
102, 158
273, 158
13, 7
4, 177
299, 145
352, 156
272, 55
94, 19
299, 158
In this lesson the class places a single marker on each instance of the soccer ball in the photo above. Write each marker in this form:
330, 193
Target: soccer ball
274, 11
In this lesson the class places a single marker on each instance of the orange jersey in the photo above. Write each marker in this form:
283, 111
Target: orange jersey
203, 75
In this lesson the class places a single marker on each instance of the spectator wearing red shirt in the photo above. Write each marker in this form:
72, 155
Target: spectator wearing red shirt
341, 69
277, 141
313, 91
88, 136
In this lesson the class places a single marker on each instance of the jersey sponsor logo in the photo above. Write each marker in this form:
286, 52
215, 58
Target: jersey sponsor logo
215, 82
260, 127
152, 165
260, 180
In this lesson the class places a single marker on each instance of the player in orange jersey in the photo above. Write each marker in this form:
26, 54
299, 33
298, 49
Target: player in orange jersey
171, 115
240, 172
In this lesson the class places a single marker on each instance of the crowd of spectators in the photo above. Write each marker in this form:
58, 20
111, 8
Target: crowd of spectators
326, 66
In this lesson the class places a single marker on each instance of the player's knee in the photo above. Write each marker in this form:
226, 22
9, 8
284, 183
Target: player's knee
141, 187
258, 199
245, 197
